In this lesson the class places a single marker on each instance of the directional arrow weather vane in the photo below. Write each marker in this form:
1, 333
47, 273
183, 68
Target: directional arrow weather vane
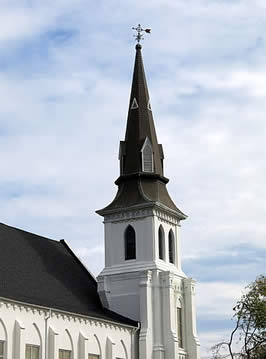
139, 35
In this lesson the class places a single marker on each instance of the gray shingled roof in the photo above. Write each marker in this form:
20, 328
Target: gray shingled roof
45, 272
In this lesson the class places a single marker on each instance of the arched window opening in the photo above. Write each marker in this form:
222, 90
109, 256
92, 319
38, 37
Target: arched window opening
171, 247
3, 340
161, 243
179, 326
130, 243
147, 156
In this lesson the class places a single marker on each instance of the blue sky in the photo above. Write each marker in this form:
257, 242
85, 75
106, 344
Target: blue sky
65, 76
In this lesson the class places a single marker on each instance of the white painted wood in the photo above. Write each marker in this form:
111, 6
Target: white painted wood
80, 334
146, 288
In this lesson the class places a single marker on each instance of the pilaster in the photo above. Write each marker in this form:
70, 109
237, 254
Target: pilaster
109, 348
52, 349
193, 345
158, 347
145, 336
19, 352
169, 325
82, 343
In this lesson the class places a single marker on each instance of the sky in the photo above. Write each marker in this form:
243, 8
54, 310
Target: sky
65, 76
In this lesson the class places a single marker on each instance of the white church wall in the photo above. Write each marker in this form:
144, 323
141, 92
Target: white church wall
22, 324
115, 241
146, 224
167, 227
150, 289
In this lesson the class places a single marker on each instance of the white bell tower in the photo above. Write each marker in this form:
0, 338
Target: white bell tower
143, 277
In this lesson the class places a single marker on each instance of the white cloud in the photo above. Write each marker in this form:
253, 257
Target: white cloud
216, 299
85, 252
210, 338
63, 112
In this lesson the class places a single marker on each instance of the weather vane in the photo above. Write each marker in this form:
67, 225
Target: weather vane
139, 35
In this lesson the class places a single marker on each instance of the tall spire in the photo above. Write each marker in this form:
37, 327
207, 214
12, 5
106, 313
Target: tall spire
140, 125
141, 181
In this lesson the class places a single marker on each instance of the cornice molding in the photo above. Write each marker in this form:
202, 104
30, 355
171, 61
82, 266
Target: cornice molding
166, 217
131, 214
69, 317
140, 213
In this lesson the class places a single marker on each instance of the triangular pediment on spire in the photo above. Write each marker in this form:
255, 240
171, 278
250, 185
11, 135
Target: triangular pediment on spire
134, 104
149, 105
146, 143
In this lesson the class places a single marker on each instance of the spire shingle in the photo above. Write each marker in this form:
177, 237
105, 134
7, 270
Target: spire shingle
140, 124
141, 181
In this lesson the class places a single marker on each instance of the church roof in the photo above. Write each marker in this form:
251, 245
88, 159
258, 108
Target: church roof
136, 185
40, 271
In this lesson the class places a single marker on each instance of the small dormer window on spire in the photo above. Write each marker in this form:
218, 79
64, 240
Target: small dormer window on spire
147, 156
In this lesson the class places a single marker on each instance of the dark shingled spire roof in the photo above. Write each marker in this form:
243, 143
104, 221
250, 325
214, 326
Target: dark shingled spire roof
40, 271
137, 187
140, 123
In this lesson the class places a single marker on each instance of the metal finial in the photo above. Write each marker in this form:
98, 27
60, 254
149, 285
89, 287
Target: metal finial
139, 35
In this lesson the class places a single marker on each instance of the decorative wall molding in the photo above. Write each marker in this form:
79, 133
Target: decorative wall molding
166, 217
140, 213
62, 315
129, 215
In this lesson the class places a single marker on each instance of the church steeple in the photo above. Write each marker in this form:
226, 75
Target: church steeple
140, 128
143, 277
141, 181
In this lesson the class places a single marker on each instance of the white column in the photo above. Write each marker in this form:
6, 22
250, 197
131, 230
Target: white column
169, 327
193, 345
109, 348
52, 348
145, 336
177, 247
82, 343
158, 348
19, 350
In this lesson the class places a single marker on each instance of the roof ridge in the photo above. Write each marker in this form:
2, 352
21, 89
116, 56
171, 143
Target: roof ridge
77, 259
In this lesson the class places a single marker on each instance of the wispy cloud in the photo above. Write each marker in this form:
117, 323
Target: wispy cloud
65, 72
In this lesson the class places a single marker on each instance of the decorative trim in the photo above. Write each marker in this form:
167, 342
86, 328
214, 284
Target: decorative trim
125, 349
140, 213
134, 104
165, 217
99, 344
129, 215
62, 315
145, 278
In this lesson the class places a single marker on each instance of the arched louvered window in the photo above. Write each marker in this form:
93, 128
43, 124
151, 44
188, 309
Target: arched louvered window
171, 246
161, 243
130, 243
179, 324
147, 156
